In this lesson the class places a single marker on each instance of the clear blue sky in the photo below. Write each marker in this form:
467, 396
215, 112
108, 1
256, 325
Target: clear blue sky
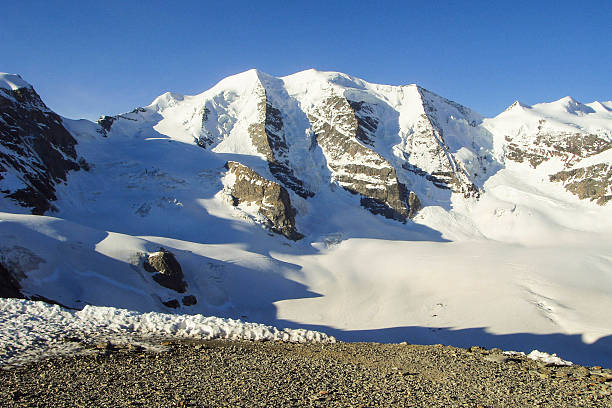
87, 58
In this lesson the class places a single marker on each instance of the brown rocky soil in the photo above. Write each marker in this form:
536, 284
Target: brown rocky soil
276, 374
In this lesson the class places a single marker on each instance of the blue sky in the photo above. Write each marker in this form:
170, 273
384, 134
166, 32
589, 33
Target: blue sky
89, 58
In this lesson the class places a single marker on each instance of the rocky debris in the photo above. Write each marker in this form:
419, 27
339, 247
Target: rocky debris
592, 182
37, 151
9, 286
168, 272
272, 199
189, 300
268, 137
242, 373
344, 131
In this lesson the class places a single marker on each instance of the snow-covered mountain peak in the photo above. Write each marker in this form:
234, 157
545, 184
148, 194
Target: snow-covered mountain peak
278, 199
600, 106
12, 81
165, 100
566, 104
517, 105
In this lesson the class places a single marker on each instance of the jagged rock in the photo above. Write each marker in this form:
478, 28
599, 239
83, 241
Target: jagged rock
37, 150
189, 300
427, 145
168, 272
571, 147
343, 130
106, 122
268, 138
9, 286
592, 182
414, 204
173, 303
272, 199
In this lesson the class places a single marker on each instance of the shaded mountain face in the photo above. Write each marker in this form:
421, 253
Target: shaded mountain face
37, 151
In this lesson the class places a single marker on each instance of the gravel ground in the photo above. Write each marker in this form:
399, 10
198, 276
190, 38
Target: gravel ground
275, 374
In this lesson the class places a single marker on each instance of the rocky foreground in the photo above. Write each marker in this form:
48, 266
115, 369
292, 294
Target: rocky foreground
271, 374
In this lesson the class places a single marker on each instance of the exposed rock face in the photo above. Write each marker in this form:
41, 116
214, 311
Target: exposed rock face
168, 272
172, 303
269, 139
37, 151
106, 122
272, 199
9, 286
571, 147
189, 300
426, 144
344, 130
592, 182
205, 139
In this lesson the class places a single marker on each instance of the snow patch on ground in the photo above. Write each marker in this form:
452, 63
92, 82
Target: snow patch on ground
29, 330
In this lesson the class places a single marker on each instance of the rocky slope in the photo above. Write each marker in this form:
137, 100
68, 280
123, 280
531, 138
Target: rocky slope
276, 374
570, 139
36, 151
271, 199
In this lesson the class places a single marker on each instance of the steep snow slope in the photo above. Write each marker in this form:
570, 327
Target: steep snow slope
529, 264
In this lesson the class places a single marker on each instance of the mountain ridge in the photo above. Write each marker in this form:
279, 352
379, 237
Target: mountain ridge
320, 200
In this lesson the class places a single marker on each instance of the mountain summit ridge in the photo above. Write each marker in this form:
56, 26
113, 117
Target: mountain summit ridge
379, 212
398, 148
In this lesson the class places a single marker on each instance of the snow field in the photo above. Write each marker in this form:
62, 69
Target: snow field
28, 326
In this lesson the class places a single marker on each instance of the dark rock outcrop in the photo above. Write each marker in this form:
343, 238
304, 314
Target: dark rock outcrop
189, 300
272, 199
570, 147
269, 138
106, 122
9, 286
168, 272
429, 141
172, 303
344, 131
592, 182
36, 149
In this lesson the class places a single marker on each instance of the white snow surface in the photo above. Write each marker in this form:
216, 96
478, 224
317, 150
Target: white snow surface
546, 358
27, 326
12, 81
549, 359
527, 266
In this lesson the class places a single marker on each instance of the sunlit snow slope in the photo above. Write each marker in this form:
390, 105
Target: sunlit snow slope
421, 221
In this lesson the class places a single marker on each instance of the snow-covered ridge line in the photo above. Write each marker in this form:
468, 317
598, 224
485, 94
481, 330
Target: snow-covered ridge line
12, 81
26, 325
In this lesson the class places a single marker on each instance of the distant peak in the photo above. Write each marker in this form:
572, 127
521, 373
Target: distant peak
571, 105
12, 81
567, 99
164, 100
518, 105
